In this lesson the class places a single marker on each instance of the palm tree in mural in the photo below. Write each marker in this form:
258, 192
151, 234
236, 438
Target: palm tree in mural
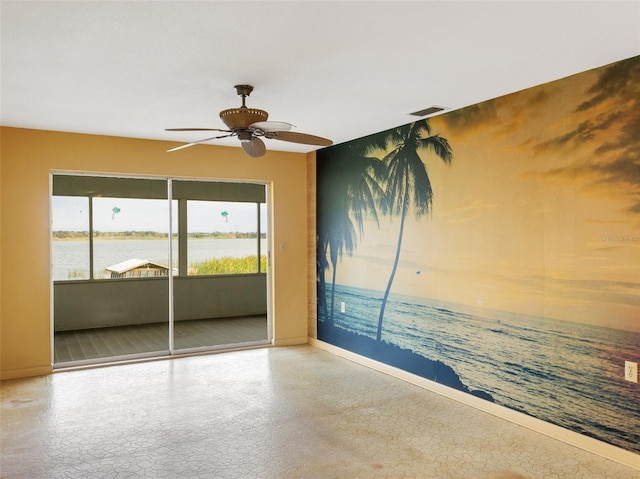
408, 187
349, 192
321, 266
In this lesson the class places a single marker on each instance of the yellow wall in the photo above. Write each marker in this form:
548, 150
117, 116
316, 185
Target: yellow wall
28, 157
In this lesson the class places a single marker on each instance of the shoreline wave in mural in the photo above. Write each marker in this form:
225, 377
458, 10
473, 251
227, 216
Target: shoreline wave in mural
536, 363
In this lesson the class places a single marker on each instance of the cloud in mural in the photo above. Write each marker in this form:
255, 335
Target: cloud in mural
469, 119
609, 137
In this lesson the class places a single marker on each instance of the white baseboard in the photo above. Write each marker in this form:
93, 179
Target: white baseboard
586, 443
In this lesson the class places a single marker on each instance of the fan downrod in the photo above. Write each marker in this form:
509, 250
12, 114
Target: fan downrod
244, 91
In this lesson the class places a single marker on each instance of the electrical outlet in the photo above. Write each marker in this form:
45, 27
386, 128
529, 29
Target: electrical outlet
631, 371
343, 307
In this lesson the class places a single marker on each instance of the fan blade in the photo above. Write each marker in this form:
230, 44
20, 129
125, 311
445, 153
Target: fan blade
295, 137
254, 148
198, 142
196, 129
271, 126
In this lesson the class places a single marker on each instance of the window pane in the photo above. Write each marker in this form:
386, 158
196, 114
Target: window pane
70, 230
222, 237
130, 238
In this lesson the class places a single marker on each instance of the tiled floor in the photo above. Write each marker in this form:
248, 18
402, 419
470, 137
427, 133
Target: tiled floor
87, 344
294, 412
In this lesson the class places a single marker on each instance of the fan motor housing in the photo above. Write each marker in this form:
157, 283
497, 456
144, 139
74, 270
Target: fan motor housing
242, 118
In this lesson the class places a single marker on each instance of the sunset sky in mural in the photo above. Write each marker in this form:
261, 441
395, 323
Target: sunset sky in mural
539, 212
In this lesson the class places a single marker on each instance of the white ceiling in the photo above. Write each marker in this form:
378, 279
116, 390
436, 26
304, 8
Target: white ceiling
336, 69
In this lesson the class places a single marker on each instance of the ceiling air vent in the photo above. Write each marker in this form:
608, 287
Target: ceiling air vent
428, 111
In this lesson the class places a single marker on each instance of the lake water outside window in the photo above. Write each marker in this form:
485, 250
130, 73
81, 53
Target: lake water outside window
70, 224
223, 238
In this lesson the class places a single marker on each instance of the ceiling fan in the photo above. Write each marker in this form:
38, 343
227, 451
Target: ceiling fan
250, 125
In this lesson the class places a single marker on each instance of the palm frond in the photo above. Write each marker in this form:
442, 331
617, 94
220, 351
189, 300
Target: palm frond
423, 127
369, 145
421, 192
439, 145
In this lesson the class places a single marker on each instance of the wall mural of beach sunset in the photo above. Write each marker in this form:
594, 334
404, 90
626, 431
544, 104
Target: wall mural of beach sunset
496, 249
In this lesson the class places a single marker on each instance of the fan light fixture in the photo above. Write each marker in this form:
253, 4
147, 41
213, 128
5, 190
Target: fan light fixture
243, 117
250, 125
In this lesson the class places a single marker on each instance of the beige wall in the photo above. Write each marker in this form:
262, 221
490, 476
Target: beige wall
28, 157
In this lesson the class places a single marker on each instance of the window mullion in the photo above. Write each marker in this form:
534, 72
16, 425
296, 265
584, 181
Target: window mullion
91, 274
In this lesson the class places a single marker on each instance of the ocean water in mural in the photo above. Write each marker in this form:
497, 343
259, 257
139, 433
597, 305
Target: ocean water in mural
526, 363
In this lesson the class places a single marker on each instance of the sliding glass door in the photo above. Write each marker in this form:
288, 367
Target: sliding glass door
220, 292
147, 267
